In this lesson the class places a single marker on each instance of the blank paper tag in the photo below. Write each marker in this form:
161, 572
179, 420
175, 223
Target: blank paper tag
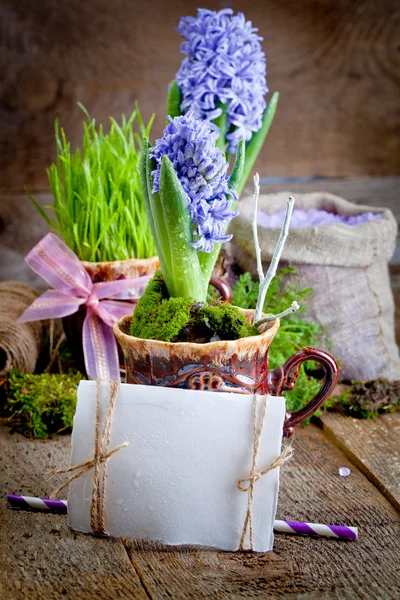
176, 481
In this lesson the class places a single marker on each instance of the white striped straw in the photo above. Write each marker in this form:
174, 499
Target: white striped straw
296, 527
333, 531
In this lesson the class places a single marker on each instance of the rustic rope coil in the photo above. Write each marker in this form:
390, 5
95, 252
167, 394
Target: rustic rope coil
20, 343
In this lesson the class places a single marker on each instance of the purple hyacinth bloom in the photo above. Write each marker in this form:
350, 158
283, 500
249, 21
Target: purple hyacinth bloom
225, 64
201, 168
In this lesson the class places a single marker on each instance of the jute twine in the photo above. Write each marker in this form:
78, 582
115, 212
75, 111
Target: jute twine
20, 343
101, 455
246, 484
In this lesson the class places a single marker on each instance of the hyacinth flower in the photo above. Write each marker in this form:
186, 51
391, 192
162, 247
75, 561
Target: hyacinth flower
223, 80
189, 201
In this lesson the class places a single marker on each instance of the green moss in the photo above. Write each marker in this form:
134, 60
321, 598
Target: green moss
226, 322
368, 399
154, 294
42, 404
158, 317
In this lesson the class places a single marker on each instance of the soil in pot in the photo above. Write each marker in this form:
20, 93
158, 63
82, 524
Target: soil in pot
159, 317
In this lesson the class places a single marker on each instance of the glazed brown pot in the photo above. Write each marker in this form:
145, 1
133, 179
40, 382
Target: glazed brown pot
121, 269
239, 366
114, 271
104, 271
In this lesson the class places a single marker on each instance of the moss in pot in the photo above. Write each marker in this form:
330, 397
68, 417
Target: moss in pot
159, 317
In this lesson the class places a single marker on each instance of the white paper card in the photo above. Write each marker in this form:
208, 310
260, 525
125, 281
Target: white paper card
176, 482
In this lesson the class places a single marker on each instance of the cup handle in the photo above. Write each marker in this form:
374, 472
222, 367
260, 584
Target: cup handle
284, 379
223, 287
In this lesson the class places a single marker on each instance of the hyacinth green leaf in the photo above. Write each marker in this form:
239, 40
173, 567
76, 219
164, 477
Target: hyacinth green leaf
144, 157
238, 167
254, 146
222, 123
155, 213
174, 100
183, 278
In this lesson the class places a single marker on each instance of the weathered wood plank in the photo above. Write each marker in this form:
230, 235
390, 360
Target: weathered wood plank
373, 446
311, 490
334, 63
40, 557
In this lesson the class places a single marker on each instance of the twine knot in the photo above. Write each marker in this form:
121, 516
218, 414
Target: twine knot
251, 479
101, 456
246, 484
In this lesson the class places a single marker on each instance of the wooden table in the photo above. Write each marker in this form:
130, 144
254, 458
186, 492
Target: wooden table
41, 558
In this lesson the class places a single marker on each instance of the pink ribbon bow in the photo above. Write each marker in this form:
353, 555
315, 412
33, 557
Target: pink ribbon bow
73, 288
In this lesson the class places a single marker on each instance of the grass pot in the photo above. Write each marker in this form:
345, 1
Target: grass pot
129, 268
239, 366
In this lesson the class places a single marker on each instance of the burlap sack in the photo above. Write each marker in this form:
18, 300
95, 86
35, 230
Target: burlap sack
347, 267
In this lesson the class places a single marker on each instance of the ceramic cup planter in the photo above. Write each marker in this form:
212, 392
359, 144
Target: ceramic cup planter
130, 268
239, 366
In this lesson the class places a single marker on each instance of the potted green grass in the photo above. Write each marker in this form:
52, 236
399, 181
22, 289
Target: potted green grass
98, 208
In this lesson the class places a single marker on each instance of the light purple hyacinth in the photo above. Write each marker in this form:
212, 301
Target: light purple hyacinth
201, 168
225, 64
312, 217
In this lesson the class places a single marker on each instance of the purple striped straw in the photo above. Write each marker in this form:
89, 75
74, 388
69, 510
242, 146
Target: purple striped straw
42, 504
333, 531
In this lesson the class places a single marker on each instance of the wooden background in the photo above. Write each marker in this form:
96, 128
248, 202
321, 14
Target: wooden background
336, 64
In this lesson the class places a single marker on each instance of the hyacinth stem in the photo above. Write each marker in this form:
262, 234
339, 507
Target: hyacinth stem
237, 171
266, 280
254, 146
222, 123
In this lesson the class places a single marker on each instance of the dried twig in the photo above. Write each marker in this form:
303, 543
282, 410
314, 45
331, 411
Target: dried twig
292, 308
265, 281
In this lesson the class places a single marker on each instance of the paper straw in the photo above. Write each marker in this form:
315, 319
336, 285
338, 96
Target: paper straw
60, 506
333, 531
41, 504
